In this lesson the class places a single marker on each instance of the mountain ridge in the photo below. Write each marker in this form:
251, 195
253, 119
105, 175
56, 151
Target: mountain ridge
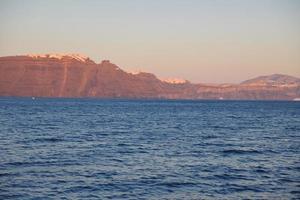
74, 75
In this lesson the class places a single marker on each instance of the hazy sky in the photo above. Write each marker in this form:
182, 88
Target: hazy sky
202, 41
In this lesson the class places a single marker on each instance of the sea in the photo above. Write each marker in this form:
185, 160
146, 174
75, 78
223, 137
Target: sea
148, 149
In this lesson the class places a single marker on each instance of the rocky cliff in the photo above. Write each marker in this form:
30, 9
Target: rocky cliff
72, 75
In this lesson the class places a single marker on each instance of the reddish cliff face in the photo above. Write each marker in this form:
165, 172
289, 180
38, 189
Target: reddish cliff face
77, 76
69, 77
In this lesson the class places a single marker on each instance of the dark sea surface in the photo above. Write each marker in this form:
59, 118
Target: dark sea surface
149, 149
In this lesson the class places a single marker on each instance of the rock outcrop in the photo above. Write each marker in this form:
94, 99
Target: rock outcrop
73, 75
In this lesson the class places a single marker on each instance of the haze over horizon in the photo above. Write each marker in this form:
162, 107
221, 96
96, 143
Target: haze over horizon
201, 41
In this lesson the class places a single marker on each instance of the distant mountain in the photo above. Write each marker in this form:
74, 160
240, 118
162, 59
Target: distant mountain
74, 75
275, 79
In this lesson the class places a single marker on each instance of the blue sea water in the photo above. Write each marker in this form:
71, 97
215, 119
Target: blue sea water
149, 149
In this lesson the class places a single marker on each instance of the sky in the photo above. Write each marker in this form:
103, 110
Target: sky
204, 41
